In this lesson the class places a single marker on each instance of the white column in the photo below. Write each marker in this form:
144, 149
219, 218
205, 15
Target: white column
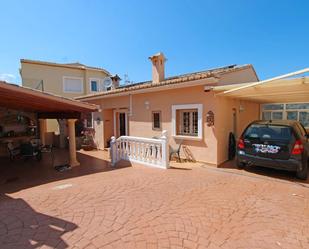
43, 130
72, 143
165, 150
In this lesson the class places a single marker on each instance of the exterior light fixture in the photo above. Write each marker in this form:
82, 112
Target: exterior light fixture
147, 105
98, 120
241, 108
210, 118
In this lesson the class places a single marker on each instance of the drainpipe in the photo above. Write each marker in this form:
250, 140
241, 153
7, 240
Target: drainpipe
130, 105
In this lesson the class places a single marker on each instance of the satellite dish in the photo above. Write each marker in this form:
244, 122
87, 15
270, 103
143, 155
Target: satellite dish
107, 82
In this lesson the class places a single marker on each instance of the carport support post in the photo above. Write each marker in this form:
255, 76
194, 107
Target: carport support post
72, 143
63, 133
43, 130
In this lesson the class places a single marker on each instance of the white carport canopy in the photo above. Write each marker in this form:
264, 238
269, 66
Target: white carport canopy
275, 90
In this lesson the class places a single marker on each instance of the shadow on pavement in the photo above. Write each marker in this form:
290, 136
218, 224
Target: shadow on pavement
22, 227
19, 174
273, 173
179, 168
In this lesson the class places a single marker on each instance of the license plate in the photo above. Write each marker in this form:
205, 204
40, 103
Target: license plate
266, 148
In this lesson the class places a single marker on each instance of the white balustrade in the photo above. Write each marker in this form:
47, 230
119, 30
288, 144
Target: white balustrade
147, 151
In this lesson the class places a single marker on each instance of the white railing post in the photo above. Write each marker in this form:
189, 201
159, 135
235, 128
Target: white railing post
165, 149
113, 150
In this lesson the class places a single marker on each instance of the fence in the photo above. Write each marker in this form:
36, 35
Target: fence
147, 151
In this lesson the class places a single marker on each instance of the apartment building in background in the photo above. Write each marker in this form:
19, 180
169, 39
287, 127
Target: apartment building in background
65, 79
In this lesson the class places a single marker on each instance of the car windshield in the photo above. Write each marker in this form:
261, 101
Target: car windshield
268, 131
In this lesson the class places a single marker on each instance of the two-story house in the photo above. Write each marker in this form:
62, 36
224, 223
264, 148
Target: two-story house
65, 79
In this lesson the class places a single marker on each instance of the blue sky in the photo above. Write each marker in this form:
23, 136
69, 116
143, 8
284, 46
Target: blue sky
120, 35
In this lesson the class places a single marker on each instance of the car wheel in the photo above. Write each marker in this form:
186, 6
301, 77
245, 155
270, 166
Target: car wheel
302, 174
240, 165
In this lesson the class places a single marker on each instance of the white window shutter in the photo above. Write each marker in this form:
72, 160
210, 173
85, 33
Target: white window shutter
74, 85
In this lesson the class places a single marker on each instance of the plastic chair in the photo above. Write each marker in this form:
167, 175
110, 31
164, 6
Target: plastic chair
176, 151
43, 148
27, 150
13, 151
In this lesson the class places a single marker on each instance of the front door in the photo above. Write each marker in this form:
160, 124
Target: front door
122, 124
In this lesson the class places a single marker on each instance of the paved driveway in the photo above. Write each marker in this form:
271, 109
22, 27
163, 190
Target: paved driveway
193, 206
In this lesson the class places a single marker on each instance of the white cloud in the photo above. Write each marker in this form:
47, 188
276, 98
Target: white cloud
7, 77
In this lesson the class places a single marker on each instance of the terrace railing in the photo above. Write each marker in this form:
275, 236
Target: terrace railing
147, 151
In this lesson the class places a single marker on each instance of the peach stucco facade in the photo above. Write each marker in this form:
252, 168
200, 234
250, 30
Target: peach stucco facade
212, 147
245, 112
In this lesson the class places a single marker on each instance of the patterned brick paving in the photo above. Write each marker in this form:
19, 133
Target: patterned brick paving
139, 207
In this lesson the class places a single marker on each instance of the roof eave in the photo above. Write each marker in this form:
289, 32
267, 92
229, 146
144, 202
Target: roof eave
53, 64
37, 93
205, 81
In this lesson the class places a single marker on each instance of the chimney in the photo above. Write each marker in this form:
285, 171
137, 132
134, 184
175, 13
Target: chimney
158, 61
116, 80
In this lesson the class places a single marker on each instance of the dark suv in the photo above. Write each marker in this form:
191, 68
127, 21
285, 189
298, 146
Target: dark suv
275, 144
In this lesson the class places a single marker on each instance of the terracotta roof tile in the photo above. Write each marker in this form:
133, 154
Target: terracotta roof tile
216, 72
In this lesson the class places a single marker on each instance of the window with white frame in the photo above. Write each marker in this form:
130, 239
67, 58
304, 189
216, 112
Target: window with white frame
290, 111
156, 120
73, 84
94, 85
187, 120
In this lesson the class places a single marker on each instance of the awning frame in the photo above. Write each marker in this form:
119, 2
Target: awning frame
258, 83
278, 89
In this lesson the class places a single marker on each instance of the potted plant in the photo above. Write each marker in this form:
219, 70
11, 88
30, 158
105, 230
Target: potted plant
88, 139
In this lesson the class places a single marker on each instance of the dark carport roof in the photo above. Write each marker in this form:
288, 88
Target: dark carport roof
22, 98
